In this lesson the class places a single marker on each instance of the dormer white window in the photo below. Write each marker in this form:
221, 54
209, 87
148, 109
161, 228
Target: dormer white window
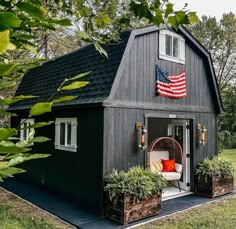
26, 133
171, 46
66, 134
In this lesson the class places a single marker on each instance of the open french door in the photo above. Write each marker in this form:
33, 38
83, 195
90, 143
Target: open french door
179, 129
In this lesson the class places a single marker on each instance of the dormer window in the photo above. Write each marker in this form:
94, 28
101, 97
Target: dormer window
171, 47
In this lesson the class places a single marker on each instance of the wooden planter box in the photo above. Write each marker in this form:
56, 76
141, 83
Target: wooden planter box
214, 186
124, 210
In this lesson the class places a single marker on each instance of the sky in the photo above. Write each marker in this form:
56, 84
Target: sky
207, 7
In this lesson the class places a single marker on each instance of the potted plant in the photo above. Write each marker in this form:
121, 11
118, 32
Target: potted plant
214, 177
133, 195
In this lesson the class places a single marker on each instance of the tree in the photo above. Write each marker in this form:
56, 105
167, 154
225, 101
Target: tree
219, 38
24, 22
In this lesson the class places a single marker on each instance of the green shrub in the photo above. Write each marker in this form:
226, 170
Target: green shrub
214, 167
137, 181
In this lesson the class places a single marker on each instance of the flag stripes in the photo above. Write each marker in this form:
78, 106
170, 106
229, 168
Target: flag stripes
170, 86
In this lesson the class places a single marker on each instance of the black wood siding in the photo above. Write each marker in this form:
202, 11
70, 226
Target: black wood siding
137, 78
73, 175
133, 96
120, 148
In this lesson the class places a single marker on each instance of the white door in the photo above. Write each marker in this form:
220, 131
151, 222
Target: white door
179, 129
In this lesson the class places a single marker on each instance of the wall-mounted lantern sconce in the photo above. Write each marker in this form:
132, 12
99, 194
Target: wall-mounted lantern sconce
201, 133
141, 136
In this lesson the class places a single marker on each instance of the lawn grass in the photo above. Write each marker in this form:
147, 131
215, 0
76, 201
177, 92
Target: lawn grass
18, 214
230, 155
220, 214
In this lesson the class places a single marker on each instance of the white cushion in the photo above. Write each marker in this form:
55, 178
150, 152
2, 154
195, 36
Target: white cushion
171, 175
178, 168
158, 155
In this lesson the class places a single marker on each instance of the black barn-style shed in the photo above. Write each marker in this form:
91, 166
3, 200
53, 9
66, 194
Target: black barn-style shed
122, 92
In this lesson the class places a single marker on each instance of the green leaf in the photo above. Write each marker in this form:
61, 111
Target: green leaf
3, 164
106, 19
16, 160
15, 99
10, 171
158, 19
5, 85
5, 40
6, 143
6, 68
192, 17
41, 124
63, 22
24, 36
40, 139
181, 17
32, 10
100, 49
173, 22
41, 108
31, 48
79, 76
63, 99
9, 19
82, 35
36, 156
12, 149
74, 85
6, 133
169, 9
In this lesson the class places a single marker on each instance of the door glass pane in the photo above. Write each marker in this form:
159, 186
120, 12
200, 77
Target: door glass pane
68, 133
179, 131
62, 133
175, 47
168, 45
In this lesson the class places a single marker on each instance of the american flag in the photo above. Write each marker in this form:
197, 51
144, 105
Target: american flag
173, 87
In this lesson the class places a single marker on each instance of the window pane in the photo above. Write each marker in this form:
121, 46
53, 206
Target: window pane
25, 131
175, 47
68, 133
62, 134
168, 45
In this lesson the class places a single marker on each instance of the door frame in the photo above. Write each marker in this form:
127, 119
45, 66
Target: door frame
192, 135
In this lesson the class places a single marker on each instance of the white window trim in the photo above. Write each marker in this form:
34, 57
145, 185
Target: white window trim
28, 131
162, 49
73, 146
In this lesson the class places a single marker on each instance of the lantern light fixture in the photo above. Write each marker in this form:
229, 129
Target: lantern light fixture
202, 133
141, 136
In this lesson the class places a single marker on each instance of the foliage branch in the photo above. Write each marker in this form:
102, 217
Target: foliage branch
214, 167
137, 181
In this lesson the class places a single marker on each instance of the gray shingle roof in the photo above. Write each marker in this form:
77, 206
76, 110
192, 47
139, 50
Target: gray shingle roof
42, 81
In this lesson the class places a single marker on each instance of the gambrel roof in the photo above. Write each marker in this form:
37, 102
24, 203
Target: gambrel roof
43, 81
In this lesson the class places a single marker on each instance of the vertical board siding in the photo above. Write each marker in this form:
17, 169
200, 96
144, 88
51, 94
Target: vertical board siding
72, 175
137, 82
120, 143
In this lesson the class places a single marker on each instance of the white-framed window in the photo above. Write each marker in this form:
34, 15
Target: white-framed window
66, 134
26, 133
171, 46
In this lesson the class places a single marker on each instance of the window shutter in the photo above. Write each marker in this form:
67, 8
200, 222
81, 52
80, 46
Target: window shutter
74, 133
162, 43
182, 50
57, 132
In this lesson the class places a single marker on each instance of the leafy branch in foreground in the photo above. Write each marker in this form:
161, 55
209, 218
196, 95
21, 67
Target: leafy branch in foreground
14, 151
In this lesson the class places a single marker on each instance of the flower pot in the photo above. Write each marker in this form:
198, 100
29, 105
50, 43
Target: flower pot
214, 186
125, 210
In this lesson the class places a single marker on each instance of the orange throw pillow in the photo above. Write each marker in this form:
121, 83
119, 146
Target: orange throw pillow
168, 165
